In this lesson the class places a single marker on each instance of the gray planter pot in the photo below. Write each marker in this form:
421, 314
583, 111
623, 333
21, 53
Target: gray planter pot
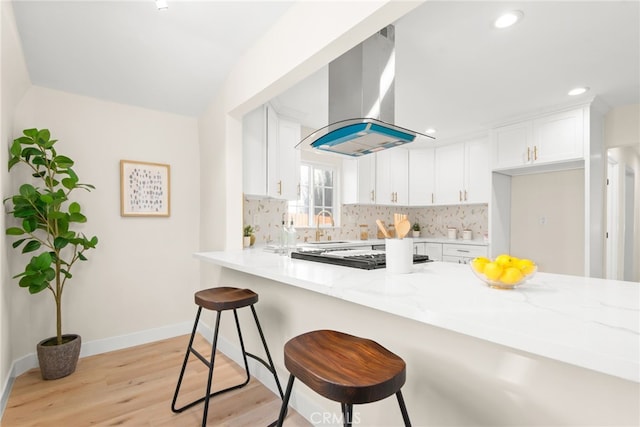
57, 361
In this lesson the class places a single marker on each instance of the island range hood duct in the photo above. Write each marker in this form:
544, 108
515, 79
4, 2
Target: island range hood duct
362, 101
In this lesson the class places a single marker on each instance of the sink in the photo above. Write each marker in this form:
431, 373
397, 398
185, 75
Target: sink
328, 242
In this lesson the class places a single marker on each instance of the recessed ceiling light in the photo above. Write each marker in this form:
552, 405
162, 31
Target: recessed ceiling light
430, 131
162, 4
578, 91
507, 19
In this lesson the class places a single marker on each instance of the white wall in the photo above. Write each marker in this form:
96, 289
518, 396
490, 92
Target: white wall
14, 81
622, 139
557, 246
142, 275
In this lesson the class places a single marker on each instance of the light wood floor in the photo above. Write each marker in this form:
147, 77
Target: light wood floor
134, 387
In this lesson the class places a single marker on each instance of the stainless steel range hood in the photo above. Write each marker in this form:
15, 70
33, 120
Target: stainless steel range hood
362, 101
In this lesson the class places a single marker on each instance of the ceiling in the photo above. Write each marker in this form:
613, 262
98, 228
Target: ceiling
459, 75
455, 72
132, 53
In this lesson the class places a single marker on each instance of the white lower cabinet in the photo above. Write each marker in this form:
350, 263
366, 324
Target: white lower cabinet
462, 254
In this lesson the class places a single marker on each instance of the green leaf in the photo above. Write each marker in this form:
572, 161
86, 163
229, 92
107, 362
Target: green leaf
81, 257
16, 148
32, 245
34, 288
27, 190
49, 144
41, 261
63, 161
51, 182
13, 161
43, 136
14, 231
17, 243
46, 198
74, 208
93, 241
60, 242
57, 215
29, 225
69, 183
31, 133
77, 217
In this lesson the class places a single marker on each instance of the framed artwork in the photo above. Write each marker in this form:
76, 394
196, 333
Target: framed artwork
144, 189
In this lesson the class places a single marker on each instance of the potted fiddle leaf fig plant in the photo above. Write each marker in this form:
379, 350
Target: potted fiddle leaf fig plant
46, 216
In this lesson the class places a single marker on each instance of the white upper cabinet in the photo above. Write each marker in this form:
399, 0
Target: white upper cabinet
477, 171
254, 152
449, 174
286, 179
511, 145
559, 137
462, 173
359, 180
392, 177
421, 177
547, 139
271, 163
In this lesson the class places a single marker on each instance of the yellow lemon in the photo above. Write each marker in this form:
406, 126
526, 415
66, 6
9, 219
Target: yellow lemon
511, 275
493, 270
526, 266
479, 263
504, 260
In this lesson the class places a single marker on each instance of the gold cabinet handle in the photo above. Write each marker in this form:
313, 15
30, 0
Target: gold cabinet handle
298, 189
373, 196
280, 187
460, 195
465, 195
535, 152
431, 197
528, 154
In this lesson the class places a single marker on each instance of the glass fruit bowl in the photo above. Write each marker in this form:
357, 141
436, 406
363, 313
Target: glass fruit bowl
514, 274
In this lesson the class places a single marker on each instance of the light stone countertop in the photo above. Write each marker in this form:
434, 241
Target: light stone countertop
591, 323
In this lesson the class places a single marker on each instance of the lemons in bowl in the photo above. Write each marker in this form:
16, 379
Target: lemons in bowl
504, 271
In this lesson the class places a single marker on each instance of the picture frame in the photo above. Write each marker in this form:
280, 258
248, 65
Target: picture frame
145, 189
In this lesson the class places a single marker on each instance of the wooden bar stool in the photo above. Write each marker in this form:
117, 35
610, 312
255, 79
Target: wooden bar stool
219, 300
345, 369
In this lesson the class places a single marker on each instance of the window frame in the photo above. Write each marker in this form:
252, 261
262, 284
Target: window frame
336, 194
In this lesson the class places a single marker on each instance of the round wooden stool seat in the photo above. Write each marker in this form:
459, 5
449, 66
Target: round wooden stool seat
225, 298
344, 368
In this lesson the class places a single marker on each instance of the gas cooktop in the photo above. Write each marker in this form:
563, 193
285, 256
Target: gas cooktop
357, 258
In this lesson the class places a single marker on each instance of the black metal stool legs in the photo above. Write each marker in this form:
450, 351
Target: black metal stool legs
271, 367
211, 362
285, 403
403, 409
184, 366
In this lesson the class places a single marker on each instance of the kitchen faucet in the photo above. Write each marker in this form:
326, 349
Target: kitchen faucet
319, 232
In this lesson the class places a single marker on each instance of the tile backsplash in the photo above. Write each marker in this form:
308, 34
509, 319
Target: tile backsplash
266, 215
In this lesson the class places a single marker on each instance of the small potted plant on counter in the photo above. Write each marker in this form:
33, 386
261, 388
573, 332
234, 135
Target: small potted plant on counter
415, 229
248, 237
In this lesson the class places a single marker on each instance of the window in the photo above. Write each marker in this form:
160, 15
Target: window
317, 195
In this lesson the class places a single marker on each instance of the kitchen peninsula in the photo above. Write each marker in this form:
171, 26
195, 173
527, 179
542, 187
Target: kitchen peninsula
558, 350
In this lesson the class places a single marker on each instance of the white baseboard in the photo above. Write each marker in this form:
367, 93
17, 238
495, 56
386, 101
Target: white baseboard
299, 402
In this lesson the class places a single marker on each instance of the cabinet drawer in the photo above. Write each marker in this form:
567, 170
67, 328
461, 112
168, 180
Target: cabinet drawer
467, 251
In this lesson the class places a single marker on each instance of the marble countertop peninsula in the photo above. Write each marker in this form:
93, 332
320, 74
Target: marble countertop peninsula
587, 322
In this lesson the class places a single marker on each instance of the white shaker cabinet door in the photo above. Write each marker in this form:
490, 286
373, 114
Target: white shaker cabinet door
421, 177
449, 170
477, 186
512, 145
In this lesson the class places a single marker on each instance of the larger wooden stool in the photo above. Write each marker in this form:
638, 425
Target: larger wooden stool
219, 300
345, 369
